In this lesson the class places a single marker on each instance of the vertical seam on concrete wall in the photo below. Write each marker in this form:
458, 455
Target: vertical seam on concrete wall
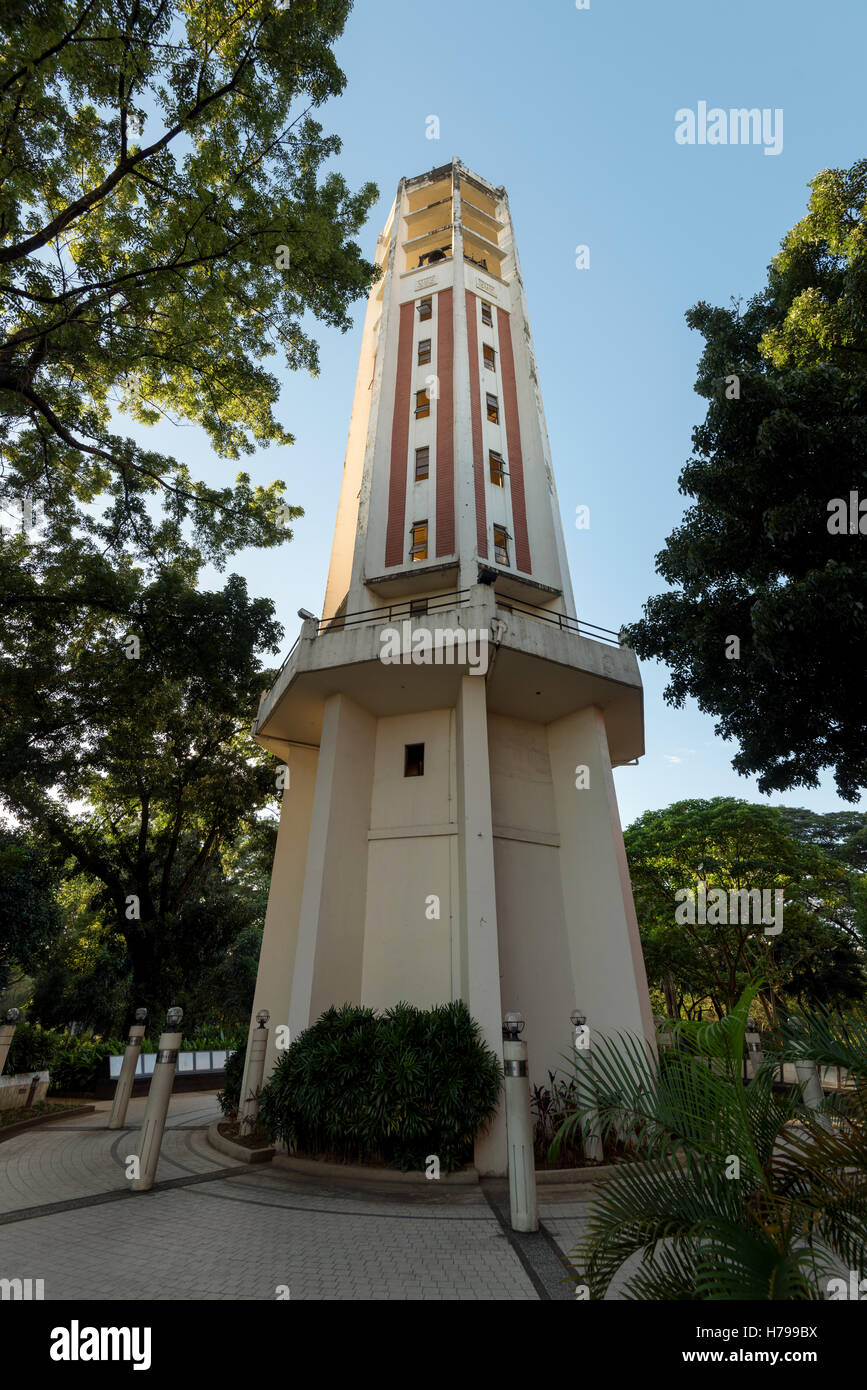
394, 537
445, 429
513, 442
476, 416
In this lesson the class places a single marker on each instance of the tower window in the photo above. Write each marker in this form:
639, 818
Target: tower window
424, 351
413, 760
422, 463
501, 545
489, 356
425, 308
422, 405
498, 468
418, 538
493, 409
487, 317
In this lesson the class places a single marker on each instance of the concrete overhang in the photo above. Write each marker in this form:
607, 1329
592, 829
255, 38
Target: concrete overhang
536, 671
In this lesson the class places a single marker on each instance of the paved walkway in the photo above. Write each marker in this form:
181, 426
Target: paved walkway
211, 1229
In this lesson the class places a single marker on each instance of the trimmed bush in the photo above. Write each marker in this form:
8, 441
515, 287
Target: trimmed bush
392, 1087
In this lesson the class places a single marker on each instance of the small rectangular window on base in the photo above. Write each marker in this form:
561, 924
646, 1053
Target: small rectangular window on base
413, 760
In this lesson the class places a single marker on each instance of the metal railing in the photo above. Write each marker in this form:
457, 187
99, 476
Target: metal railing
410, 608
417, 608
561, 620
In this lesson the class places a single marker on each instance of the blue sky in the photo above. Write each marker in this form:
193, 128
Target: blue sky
574, 112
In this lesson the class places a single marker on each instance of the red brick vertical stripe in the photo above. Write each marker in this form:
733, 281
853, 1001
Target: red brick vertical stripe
445, 440
395, 538
476, 417
513, 442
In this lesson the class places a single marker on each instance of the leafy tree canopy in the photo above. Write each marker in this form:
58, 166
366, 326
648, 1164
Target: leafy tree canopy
730, 844
163, 233
757, 556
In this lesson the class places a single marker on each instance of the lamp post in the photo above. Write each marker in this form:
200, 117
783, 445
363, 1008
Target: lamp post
7, 1033
123, 1089
249, 1107
524, 1207
159, 1095
583, 1063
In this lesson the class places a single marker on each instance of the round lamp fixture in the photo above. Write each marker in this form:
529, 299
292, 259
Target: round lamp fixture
173, 1017
262, 1017
513, 1024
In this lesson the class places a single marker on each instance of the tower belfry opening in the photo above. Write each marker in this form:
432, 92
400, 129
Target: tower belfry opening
450, 724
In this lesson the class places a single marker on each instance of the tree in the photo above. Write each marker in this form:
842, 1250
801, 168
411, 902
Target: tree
162, 235
130, 753
766, 625
732, 845
29, 913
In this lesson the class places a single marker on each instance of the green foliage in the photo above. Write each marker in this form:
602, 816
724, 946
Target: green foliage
230, 1097
160, 785
397, 1086
29, 916
77, 1063
753, 556
779, 1227
164, 231
732, 844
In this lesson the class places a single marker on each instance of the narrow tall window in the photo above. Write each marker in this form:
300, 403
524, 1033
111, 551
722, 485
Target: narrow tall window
413, 760
424, 351
489, 356
418, 540
422, 405
498, 468
501, 545
425, 308
493, 409
486, 314
422, 463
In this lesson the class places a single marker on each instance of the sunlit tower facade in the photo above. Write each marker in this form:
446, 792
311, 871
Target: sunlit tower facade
449, 827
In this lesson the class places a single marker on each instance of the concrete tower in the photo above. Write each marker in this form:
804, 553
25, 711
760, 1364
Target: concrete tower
449, 827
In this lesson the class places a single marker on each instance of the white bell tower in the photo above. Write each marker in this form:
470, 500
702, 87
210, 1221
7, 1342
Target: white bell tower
449, 828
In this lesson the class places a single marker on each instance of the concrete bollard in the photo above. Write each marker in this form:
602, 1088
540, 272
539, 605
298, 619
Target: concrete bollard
755, 1054
248, 1110
7, 1033
591, 1142
159, 1095
807, 1073
123, 1089
523, 1204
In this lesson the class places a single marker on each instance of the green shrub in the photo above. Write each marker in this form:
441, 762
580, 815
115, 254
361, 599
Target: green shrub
79, 1063
394, 1087
230, 1097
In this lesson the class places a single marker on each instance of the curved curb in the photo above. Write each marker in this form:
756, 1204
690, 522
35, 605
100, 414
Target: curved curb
354, 1173
10, 1131
551, 1177
237, 1151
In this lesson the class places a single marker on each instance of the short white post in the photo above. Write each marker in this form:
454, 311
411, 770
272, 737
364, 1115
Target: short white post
7, 1033
755, 1055
591, 1141
807, 1073
524, 1207
159, 1095
248, 1109
123, 1089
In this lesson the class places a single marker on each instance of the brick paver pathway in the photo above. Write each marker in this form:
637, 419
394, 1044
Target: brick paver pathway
212, 1229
